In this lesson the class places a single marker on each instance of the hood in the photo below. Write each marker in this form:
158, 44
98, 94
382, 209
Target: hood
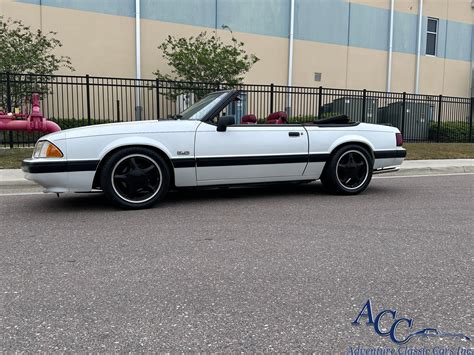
149, 126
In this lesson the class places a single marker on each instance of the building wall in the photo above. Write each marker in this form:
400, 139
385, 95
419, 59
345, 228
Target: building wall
345, 40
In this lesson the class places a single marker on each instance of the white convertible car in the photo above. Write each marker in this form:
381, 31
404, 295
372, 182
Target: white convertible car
136, 163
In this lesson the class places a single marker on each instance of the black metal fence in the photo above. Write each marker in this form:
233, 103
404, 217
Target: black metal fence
74, 101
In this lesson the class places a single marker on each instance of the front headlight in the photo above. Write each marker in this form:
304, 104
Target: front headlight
45, 149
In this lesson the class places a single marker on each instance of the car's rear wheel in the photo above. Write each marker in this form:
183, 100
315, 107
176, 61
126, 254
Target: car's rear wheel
135, 178
349, 171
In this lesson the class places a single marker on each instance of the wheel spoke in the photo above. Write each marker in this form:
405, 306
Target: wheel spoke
150, 187
149, 169
124, 169
133, 163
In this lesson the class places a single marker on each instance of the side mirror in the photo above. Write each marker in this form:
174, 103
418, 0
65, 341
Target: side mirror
225, 121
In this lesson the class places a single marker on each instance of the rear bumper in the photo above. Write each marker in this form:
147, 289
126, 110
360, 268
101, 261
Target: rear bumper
388, 161
390, 154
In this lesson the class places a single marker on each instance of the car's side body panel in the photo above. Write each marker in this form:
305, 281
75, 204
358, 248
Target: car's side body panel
246, 152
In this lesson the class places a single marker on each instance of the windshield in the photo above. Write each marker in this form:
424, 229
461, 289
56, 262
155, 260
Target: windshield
198, 110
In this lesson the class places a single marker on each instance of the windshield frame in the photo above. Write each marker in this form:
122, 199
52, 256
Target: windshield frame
222, 97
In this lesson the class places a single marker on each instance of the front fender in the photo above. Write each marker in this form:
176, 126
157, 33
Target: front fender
133, 141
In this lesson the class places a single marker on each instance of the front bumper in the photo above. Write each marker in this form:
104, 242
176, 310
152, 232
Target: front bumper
43, 166
61, 175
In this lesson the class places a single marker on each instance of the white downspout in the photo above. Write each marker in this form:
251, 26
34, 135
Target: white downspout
290, 52
390, 47
418, 47
138, 69
472, 62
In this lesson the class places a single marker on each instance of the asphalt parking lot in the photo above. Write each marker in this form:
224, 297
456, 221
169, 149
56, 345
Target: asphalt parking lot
281, 268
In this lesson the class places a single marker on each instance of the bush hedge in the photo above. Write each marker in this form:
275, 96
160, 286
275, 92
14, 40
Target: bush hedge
449, 132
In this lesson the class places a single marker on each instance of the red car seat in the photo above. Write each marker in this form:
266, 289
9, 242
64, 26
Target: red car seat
248, 119
279, 117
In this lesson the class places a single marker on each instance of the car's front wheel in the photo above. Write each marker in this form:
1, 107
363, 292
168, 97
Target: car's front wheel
135, 178
349, 171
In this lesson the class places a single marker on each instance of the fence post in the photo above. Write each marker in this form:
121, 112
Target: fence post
9, 94
272, 92
118, 111
404, 111
470, 120
320, 101
157, 82
9, 107
364, 103
88, 100
440, 101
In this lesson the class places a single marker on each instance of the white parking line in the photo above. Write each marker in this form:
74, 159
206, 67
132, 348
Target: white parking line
425, 175
22, 194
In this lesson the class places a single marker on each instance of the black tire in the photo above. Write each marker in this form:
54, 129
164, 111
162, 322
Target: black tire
135, 178
349, 170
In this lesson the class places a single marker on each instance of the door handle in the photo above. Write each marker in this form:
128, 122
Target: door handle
294, 134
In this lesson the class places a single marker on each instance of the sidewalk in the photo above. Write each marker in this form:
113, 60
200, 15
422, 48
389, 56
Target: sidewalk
14, 177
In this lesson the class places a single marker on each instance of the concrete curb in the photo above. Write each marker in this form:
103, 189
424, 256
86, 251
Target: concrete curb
14, 177
441, 166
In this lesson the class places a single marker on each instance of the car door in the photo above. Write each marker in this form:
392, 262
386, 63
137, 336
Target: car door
250, 153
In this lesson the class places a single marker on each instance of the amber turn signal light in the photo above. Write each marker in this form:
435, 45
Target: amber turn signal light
53, 152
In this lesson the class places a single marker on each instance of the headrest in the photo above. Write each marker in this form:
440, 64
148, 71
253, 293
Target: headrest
248, 119
280, 115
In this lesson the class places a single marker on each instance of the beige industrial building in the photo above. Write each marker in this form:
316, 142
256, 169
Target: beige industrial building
423, 46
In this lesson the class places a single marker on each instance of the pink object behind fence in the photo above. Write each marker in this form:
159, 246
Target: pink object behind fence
35, 122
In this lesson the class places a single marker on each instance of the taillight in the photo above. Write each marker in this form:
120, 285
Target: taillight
399, 139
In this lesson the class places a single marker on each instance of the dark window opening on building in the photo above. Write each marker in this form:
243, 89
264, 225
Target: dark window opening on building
432, 36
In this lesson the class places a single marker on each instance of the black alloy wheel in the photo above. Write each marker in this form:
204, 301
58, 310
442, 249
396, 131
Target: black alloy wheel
135, 178
349, 170
352, 169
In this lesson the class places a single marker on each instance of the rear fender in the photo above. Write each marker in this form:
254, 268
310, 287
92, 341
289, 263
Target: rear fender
351, 139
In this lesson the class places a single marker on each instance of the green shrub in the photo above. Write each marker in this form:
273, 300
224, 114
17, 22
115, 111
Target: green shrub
449, 132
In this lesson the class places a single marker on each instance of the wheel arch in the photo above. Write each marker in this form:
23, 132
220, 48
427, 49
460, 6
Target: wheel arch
352, 140
364, 143
109, 153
